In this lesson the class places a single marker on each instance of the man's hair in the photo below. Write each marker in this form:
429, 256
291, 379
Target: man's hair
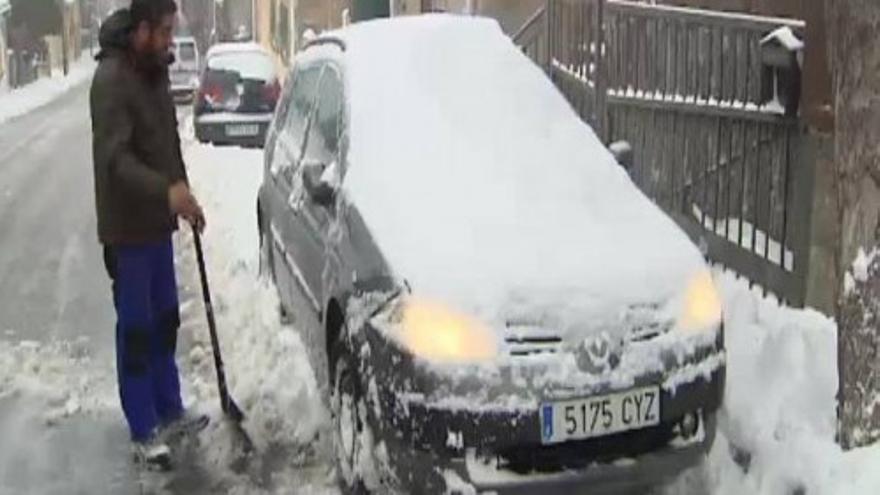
151, 11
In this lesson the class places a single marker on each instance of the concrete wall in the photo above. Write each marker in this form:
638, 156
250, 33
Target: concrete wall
3, 56
275, 21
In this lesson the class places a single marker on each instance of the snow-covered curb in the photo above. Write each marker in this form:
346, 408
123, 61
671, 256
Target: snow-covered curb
268, 369
780, 408
17, 102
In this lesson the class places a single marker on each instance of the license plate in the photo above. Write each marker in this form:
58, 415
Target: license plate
238, 130
599, 416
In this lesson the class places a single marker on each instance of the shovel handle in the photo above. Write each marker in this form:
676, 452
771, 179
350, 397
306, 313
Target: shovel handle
225, 401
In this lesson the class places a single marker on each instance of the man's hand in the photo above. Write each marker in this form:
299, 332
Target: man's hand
183, 203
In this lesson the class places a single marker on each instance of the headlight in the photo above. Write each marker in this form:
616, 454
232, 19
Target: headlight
701, 309
433, 331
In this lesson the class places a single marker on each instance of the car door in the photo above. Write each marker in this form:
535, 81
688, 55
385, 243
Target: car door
322, 149
286, 154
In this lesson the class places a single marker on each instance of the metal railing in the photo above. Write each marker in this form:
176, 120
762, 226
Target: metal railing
687, 89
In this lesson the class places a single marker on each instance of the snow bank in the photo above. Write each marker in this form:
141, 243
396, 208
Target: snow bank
267, 367
481, 184
63, 376
779, 413
786, 38
23, 100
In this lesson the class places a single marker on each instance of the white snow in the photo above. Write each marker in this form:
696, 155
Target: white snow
268, 370
862, 263
780, 405
480, 183
16, 102
45, 371
772, 107
785, 37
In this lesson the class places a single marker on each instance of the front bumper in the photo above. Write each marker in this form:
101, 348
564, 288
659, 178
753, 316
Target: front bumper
183, 93
218, 128
415, 470
501, 450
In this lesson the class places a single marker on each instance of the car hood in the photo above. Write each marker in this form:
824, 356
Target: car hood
483, 188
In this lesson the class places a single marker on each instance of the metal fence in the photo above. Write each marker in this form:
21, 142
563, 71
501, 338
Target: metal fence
688, 90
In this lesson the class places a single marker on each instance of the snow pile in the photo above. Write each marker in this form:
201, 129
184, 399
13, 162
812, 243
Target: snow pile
481, 185
779, 414
41, 92
859, 271
266, 363
62, 375
786, 38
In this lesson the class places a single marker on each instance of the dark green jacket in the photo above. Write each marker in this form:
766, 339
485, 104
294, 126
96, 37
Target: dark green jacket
135, 143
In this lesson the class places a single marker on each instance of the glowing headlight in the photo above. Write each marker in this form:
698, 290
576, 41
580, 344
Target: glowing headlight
701, 306
436, 332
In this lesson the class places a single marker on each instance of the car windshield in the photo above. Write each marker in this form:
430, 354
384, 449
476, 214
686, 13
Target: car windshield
186, 52
249, 65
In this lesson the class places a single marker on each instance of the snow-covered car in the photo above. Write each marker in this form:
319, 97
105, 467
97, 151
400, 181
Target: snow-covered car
184, 72
488, 300
237, 95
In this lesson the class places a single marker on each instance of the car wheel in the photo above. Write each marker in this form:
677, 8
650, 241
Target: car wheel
348, 422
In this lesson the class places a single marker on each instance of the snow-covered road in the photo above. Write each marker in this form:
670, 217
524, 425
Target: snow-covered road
61, 430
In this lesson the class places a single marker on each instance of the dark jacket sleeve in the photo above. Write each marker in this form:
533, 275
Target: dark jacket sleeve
181, 165
180, 169
113, 129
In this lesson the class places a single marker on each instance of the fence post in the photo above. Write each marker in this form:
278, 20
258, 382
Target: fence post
601, 101
549, 15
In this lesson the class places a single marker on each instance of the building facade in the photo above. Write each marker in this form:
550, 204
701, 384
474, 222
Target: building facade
5, 9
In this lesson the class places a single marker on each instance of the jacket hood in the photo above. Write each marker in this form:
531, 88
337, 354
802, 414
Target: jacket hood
114, 34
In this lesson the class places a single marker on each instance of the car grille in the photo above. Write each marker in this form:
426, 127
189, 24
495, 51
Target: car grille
528, 340
524, 459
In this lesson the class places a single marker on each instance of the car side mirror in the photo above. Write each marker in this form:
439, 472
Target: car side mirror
321, 182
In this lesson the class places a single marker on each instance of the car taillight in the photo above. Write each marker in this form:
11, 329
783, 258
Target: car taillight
211, 94
271, 92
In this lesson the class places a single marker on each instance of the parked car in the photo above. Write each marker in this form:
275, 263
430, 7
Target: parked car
184, 72
237, 95
486, 297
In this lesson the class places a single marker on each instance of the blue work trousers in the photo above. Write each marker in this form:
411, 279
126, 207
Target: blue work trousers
148, 318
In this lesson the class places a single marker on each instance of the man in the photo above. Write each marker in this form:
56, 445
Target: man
141, 189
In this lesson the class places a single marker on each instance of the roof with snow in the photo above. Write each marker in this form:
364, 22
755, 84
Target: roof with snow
477, 177
236, 47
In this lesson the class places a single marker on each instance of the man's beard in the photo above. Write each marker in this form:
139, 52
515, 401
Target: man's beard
153, 65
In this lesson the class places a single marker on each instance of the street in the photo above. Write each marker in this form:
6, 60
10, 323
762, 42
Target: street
62, 429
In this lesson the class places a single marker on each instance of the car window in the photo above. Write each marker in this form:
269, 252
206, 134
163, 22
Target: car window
249, 65
330, 98
187, 52
284, 104
303, 93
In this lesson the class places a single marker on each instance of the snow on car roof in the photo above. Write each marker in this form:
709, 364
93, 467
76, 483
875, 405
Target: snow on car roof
237, 47
250, 60
482, 186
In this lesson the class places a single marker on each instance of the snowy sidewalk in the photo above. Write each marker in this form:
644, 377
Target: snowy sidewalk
17, 102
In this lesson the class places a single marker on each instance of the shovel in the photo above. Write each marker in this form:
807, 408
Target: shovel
227, 403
